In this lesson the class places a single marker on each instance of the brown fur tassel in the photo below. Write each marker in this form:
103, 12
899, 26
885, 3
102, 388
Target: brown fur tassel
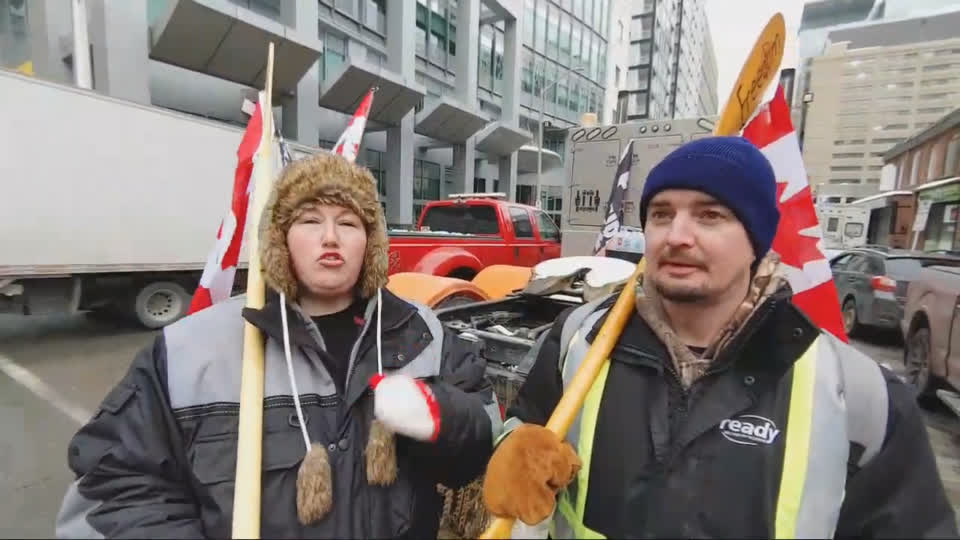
381, 455
314, 486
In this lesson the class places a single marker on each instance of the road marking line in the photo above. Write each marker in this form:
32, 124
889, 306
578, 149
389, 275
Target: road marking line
43, 390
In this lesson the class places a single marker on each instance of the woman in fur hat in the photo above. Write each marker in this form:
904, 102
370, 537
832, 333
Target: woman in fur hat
369, 402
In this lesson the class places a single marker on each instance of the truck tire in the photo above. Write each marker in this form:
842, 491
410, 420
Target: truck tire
916, 357
160, 303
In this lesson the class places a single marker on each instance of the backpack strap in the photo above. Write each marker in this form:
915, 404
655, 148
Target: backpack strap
865, 394
573, 323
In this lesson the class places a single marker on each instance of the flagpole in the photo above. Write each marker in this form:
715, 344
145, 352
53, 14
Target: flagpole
247, 489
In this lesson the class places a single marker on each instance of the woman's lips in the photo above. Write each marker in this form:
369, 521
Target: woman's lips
331, 261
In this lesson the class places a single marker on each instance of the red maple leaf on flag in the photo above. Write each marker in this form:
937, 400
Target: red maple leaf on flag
796, 214
798, 234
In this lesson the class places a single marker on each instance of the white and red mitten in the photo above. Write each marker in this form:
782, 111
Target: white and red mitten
406, 406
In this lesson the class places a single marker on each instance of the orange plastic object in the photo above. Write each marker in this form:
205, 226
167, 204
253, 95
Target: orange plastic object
430, 290
499, 280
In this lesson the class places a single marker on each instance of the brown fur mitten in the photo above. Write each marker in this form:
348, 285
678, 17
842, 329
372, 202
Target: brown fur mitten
314, 486
381, 454
525, 473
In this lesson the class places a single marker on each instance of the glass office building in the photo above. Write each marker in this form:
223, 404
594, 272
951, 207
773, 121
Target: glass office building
461, 82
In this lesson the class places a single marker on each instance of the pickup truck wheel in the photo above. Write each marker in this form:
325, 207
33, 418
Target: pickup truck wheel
160, 303
850, 324
917, 359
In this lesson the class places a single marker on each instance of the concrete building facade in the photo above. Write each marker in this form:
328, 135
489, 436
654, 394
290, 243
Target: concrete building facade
925, 172
873, 88
461, 82
672, 70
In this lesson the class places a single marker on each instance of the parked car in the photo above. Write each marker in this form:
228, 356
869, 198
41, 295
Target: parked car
460, 236
931, 331
872, 284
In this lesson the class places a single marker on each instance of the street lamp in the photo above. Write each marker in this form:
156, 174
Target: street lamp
543, 103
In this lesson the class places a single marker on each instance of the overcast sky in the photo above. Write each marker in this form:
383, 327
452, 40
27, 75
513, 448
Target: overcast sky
734, 27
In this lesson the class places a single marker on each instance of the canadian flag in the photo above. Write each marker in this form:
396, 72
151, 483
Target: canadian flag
799, 238
348, 145
216, 282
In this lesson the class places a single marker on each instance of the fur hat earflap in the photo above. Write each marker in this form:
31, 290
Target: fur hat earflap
323, 178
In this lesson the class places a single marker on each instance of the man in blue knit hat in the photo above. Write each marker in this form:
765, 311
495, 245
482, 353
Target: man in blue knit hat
723, 411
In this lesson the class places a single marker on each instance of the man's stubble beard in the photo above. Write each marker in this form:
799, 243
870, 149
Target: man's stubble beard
696, 294
681, 295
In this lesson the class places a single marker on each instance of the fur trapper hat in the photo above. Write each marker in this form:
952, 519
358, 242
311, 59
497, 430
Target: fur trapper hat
323, 178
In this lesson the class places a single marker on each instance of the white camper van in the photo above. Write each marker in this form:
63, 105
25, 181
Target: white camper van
843, 226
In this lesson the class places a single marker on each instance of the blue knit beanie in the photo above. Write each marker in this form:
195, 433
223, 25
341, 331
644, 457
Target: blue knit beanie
730, 169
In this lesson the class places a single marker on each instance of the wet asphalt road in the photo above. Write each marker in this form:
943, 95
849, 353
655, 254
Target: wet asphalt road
73, 360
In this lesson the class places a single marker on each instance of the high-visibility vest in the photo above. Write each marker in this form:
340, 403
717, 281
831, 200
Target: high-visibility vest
833, 402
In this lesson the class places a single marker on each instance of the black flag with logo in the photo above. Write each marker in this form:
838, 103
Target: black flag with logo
621, 179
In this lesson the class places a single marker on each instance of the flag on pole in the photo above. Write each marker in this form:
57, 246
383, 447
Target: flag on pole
799, 238
216, 282
348, 145
621, 179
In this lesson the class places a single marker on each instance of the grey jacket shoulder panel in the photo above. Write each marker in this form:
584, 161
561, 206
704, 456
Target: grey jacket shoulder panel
205, 360
865, 395
204, 355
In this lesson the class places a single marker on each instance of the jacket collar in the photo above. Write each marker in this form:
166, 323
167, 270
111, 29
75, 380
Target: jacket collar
396, 312
772, 338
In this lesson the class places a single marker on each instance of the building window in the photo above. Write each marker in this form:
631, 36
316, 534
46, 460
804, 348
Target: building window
529, 13
952, 163
485, 62
564, 39
350, 7
334, 54
524, 194
553, 29
376, 166
576, 34
552, 202
526, 71
375, 15
426, 180
541, 25
620, 30
267, 8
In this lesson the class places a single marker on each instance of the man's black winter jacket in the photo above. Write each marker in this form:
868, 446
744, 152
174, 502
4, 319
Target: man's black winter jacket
669, 462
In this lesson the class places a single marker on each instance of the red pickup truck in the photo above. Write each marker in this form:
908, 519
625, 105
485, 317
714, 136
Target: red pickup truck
461, 236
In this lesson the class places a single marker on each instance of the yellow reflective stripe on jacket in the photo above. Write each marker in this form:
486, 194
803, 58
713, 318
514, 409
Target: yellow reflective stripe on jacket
591, 407
796, 451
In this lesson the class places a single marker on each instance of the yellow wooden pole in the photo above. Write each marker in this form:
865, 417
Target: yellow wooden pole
758, 71
247, 489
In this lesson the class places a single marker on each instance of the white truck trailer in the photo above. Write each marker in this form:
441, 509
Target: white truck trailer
107, 204
592, 155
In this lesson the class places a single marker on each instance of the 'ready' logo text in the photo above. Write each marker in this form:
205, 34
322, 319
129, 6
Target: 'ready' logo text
749, 429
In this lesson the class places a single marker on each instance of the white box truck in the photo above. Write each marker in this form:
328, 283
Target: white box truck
107, 204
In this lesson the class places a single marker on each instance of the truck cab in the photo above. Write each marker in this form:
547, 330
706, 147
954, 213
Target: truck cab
460, 236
